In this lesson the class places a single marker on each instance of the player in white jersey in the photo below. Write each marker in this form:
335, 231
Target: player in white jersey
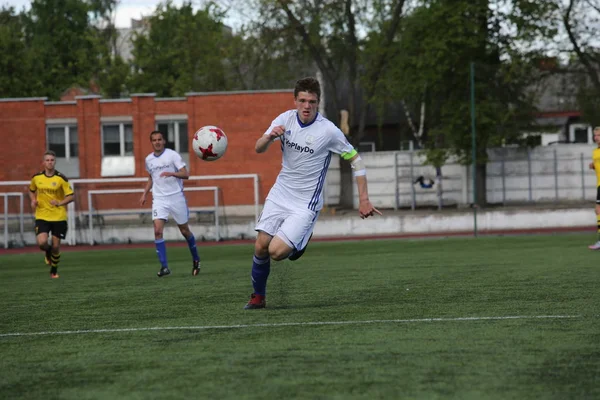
292, 207
167, 170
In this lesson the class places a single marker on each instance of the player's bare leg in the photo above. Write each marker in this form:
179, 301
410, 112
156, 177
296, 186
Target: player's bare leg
279, 249
42, 241
191, 241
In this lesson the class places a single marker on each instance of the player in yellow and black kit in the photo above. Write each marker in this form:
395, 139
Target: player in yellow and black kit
595, 165
49, 193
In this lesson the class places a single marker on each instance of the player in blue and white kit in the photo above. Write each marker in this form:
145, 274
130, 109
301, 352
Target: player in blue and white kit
167, 170
308, 141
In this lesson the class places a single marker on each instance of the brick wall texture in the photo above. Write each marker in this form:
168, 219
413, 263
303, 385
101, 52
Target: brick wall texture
243, 116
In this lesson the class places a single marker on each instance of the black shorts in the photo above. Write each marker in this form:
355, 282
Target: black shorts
58, 228
598, 195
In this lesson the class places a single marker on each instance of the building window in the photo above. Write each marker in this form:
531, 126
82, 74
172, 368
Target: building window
176, 133
117, 139
62, 139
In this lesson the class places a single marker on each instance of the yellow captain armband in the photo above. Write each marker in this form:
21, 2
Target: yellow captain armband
347, 156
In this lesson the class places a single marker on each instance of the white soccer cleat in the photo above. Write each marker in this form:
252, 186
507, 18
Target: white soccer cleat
595, 246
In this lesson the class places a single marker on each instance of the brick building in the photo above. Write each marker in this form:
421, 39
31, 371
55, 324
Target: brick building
101, 138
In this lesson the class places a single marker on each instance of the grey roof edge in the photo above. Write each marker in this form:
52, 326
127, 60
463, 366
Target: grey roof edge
190, 94
9, 99
60, 103
88, 96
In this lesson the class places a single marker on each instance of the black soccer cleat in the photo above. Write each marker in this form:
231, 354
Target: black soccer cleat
296, 254
196, 268
164, 271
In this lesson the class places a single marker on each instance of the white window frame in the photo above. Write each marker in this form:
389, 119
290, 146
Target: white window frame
176, 132
67, 132
121, 137
176, 120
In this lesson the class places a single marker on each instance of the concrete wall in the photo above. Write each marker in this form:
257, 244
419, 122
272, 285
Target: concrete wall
349, 225
543, 174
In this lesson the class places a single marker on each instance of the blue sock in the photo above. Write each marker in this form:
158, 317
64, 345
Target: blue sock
261, 267
161, 251
191, 241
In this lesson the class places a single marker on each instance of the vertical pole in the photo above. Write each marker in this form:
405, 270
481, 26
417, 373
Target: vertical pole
90, 218
529, 174
217, 227
555, 176
582, 177
22, 218
413, 203
474, 148
503, 165
396, 190
5, 221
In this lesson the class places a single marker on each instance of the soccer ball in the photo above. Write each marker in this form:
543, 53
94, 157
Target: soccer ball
209, 143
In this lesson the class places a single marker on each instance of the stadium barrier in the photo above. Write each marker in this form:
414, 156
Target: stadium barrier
81, 210
91, 215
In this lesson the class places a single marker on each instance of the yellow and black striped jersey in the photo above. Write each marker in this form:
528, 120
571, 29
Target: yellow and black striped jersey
47, 188
596, 160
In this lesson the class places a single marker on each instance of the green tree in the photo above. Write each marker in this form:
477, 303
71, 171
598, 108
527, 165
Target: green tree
65, 44
181, 51
16, 79
430, 74
580, 20
260, 59
331, 36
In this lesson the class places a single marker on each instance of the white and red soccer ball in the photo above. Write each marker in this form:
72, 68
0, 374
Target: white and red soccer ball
209, 143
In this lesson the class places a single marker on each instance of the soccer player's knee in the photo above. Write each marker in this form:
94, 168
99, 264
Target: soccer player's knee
158, 234
260, 249
278, 253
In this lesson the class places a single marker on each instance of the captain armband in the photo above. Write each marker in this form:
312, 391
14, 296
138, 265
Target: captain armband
358, 167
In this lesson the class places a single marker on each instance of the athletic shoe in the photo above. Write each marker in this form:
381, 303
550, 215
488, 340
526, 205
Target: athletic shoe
296, 254
256, 301
54, 275
196, 268
164, 271
595, 246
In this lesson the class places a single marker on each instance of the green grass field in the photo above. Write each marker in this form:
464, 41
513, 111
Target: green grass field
485, 318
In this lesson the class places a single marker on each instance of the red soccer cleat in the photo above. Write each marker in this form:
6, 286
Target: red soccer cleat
256, 301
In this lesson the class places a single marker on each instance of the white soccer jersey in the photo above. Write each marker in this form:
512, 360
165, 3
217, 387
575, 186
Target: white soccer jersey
168, 160
307, 151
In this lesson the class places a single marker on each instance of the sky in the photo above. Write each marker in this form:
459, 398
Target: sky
126, 10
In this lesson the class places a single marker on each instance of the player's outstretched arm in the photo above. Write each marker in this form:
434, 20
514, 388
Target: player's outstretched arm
263, 143
181, 174
365, 208
69, 198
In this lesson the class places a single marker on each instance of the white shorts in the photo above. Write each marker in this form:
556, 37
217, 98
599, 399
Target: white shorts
293, 225
174, 205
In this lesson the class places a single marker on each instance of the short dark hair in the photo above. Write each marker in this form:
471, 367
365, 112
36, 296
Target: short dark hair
49, 153
308, 84
158, 133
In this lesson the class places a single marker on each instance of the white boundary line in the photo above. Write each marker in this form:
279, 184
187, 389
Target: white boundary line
283, 324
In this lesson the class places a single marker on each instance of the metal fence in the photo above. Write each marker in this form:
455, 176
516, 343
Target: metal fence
546, 174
